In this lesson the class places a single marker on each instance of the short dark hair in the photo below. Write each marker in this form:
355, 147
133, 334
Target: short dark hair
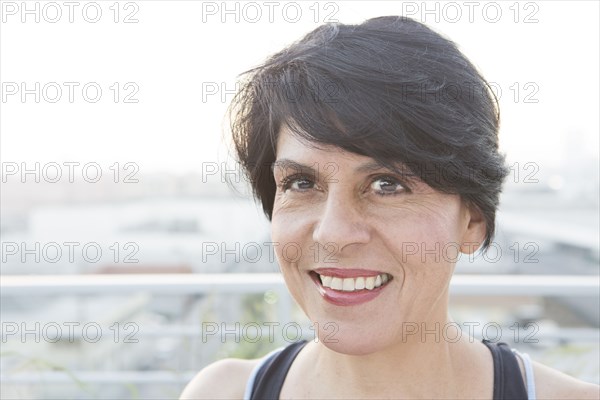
391, 89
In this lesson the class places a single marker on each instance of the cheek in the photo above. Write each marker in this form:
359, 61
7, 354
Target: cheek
424, 236
432, 231
289, 233
291, 227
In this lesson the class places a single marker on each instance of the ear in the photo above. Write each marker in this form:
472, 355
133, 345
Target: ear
474, 231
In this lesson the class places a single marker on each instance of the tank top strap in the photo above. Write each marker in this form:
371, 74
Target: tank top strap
508, 382
267, 379
259, 365
528, 364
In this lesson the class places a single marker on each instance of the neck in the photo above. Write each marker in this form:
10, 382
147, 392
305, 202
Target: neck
404, 369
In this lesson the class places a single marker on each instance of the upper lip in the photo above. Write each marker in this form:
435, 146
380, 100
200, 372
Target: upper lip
347, 272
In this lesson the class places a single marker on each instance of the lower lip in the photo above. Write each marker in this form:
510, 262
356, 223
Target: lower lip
341, 298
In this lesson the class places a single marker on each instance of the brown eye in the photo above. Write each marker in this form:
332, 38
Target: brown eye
297, 183
386, 185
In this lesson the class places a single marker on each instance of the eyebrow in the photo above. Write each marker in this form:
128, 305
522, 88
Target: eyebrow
367, 167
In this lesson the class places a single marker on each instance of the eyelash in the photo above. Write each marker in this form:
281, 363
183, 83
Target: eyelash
288, 180
392, 180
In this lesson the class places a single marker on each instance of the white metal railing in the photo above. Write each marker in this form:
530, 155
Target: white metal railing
96, 377
190, 284
178, 284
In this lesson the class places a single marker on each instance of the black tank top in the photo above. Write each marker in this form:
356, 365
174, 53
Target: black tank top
508, 382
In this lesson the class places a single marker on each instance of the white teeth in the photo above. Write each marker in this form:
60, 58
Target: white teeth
326, 280
348, 285
378, 281
360, 283
352, 284
336, 283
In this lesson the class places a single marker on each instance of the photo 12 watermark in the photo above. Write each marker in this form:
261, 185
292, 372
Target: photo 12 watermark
69, 252
68, 331
69, 171
452, 332
70, 92
52, 12
252, 332
492, 12
253, 12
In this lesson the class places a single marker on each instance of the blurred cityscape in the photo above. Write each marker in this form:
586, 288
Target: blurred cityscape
548, 224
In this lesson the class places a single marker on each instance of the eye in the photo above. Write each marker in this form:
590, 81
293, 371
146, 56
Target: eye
296, 183
386, 186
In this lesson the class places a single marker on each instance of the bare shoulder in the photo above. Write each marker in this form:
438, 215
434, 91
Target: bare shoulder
224, 379
553, 384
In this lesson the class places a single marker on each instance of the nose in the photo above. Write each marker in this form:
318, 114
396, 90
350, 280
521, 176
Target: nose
340, 225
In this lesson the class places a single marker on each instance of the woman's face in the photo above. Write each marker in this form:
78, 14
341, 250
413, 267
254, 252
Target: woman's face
358, 225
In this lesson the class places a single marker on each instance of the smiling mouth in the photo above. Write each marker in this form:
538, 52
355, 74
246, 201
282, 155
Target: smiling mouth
353, 284
348, 288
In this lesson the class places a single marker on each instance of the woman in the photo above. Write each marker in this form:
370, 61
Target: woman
362, 141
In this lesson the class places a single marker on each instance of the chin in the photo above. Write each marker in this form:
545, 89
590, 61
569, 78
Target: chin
353, 338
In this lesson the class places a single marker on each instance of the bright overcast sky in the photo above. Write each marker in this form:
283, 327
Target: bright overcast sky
547, 50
